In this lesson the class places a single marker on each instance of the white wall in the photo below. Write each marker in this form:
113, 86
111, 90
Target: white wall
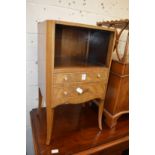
81, 11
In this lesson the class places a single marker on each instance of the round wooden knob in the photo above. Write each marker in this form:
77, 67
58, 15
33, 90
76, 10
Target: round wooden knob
65, 93
65, 78
98, 75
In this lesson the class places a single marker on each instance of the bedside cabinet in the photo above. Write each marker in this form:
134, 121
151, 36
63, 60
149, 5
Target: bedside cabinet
73, 65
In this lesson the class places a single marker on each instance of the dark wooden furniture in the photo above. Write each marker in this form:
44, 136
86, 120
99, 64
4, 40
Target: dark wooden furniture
117, 96
74, 61
75, 132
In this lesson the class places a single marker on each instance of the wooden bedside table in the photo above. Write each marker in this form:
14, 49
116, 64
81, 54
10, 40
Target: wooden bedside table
73, 64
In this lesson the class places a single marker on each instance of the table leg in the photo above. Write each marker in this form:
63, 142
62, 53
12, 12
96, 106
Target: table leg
100, 113
49, 116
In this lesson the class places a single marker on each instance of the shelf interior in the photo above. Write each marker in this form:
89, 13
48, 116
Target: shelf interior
77, 46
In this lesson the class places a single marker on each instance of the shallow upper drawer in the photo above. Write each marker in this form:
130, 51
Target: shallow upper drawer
80, 76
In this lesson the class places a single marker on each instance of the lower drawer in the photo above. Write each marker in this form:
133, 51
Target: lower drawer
77, 93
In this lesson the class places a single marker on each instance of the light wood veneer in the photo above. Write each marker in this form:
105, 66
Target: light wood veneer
74, 61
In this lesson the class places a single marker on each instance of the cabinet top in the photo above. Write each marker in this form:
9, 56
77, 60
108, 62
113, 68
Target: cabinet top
78, 25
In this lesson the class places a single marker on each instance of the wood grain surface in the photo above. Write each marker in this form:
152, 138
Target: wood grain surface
75, 131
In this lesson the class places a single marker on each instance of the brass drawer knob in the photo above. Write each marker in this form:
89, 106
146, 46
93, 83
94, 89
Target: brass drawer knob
65, 93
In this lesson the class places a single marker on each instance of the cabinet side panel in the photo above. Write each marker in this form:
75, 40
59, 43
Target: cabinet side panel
50, 50
112, 93
42, 58
123, 98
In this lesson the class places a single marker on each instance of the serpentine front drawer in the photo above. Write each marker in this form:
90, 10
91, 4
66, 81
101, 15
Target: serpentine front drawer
78, 93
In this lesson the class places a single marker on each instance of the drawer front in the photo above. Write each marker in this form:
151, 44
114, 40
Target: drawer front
62, 78
77, 93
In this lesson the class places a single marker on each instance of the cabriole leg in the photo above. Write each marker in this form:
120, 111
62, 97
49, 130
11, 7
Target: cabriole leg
100, 113
49, 116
